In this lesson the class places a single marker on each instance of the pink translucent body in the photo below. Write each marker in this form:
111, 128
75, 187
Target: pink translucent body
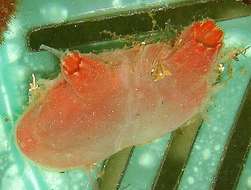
106, 102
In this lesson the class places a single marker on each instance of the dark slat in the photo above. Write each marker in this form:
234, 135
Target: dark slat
176, 156
114, 170
237, 148
172, 19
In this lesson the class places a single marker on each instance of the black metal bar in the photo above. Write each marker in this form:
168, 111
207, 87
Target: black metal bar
114, 170
176, 156
104, 28
237, 148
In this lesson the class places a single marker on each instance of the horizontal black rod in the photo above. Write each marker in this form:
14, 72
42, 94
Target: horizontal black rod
104, 28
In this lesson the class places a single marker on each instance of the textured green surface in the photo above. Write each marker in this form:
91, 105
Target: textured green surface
17, 64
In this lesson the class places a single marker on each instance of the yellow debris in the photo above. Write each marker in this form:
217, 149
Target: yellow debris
159, 72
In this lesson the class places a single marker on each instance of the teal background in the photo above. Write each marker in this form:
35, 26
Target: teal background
17, 64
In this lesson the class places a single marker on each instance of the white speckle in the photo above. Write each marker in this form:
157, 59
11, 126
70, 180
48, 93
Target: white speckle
195, 169
13, 170
215, 128
197, 147
75, 187
206, 154
30, 175
217, 147
6, 100
146, 160
249, 181
14, 29
53, 179
13, 52
79, 176
156, 141
76, 73
221, 67
21, 74
116, 3
54, 13
248, 52
233, 38
190, 180
22, 87
3, 137
11, 179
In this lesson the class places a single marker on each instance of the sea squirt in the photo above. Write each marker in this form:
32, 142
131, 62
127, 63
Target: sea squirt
105, 102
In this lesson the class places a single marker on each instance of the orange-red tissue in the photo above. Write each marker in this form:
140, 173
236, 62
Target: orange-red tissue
105, 102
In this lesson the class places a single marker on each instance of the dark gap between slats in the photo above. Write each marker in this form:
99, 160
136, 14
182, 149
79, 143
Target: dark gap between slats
176, 156
237, 149
114, 170
79, 33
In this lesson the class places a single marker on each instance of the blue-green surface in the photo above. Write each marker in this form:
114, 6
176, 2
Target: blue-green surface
17, 64
144, 164
212, 137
